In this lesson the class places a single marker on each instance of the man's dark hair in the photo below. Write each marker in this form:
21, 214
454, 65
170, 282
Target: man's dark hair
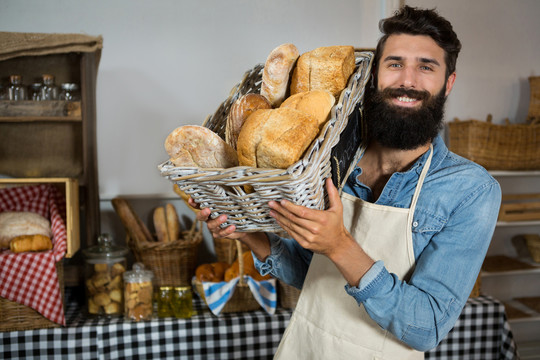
414, 21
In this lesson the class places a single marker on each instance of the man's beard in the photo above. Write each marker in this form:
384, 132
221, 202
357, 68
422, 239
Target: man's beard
402, 127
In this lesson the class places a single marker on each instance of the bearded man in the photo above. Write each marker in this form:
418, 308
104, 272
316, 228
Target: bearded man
386, 270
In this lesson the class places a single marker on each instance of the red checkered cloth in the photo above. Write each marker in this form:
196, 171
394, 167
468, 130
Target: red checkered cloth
30, 278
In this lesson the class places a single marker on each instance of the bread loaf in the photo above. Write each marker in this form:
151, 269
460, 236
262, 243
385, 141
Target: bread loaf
160, 224
240, 111
173, 223
276, 73
197, 146
16, 223
275, 138
213, 272
317, 103
25, 243
249, 269
324, 68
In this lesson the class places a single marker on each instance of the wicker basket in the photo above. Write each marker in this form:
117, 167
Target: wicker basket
534, 103
476, 288
222, 190
533, 244
226, 250
242, 299
19, 317
172, 263
497, 147
288, 295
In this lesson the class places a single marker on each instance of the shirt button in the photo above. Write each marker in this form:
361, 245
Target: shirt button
415, 224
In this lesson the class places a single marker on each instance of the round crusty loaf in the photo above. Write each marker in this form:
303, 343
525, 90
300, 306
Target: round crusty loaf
317, 103
240, 111
17, 223
327, 68
197, 146
276, 73
275, 138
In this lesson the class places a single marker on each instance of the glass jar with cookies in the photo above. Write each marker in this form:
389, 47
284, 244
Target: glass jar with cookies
139, 293
105, 265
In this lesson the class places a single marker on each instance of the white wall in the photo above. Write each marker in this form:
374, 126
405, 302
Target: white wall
169, 63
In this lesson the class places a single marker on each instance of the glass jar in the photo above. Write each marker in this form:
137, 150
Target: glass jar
105, 265
138, 293
69, 92
49, 90
35, 91
182, 302
16, 90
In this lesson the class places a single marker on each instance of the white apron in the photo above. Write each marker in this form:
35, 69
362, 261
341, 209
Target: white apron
327, 322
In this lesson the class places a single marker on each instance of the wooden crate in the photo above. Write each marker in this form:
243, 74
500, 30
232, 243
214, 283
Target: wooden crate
70, 189
520, 207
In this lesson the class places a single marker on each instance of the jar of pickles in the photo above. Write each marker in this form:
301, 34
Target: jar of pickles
105, 265
175, 301
138, 293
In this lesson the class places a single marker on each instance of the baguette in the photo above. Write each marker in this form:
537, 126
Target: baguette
133, 225
173, 223
276, 73
160, 224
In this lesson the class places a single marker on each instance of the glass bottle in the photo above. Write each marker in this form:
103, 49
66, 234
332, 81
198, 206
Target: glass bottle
105, 265
49, 90
16, 91
139, 293
69, 92
35, 91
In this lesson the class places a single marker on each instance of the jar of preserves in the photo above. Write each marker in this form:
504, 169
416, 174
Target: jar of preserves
182, 302
138, 293
164, 301
105, 265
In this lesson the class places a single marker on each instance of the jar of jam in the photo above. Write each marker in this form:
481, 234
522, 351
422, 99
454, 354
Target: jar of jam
105, 265
175, 301
138, 293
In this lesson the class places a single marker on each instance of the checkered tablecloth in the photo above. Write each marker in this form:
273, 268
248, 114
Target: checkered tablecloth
482, 333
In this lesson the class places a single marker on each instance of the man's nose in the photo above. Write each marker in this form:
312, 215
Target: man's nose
408, 78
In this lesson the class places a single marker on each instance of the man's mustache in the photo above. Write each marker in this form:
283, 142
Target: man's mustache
390, 93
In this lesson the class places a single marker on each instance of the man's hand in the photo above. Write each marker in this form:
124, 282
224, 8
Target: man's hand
256, 241
321, 231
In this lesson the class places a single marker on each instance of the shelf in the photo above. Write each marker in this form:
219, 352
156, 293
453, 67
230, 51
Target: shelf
503, 173
29, 111
518, 223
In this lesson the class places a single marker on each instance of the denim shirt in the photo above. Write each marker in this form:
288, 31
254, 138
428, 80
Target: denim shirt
453, 223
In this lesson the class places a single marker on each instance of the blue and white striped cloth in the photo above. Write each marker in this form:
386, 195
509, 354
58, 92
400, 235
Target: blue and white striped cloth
217, 294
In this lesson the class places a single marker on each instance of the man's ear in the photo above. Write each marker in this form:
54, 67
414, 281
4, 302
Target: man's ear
450, 83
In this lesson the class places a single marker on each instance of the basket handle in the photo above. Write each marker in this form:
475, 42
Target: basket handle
240, 261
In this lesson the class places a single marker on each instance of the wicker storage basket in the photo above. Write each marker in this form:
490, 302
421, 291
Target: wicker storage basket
222, 190
288, 295
533, 244
226, 250
242, 298
172, 263
18, 317
497, 147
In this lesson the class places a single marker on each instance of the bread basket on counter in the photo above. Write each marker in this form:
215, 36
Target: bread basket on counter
222, 190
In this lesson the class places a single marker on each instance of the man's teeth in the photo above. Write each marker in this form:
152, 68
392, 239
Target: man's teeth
405, 99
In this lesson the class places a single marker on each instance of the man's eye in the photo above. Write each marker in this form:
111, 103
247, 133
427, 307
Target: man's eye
395, 65
426, 68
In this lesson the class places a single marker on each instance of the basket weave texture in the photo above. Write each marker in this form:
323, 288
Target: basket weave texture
533, 243
222, 190
19, 317
242, 298
226, 250
497, 147
172, 263
288, 295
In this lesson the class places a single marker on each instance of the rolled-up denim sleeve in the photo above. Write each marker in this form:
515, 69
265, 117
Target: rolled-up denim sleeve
287, 261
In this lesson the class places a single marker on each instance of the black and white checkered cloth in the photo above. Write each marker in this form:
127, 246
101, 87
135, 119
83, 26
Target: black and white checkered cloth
482, 332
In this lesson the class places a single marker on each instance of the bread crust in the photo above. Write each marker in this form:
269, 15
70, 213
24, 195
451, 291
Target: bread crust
276, 73
325, 68
240, 111
16, 223
317, 103
276, 138
198, 146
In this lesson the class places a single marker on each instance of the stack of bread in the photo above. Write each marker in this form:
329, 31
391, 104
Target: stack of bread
24, 231
221, 271
273, 128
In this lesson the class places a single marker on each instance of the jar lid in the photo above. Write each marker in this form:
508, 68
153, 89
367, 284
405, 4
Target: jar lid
69, 86
138, 274
105, 249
